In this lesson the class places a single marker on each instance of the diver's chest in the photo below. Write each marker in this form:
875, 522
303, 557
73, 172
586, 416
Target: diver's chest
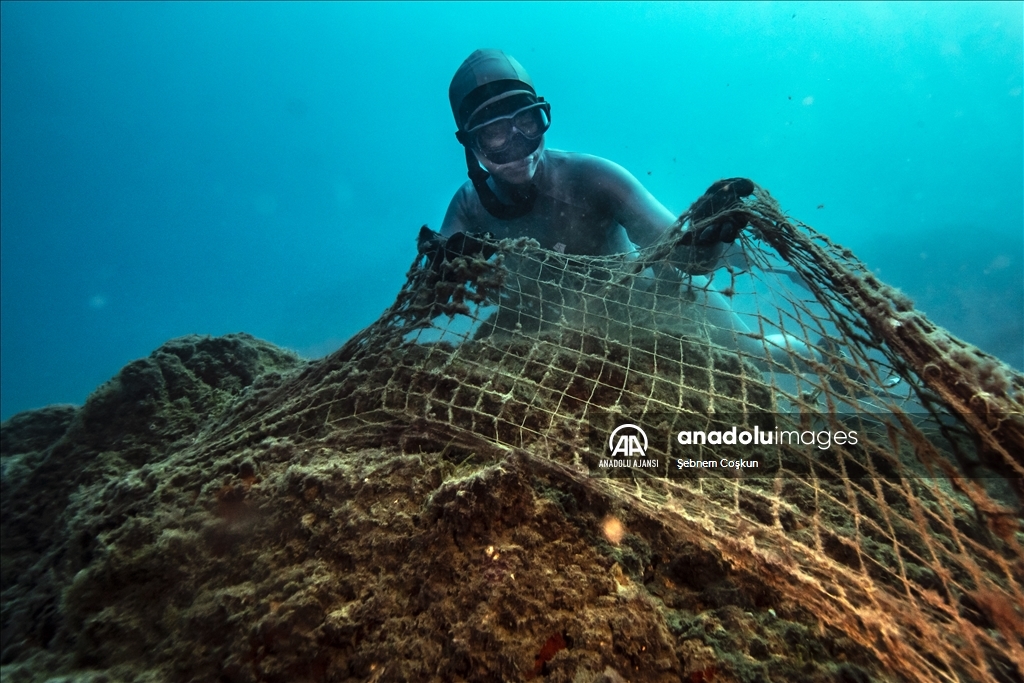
572, 230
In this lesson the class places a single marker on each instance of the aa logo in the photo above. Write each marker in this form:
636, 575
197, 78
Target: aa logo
628, 441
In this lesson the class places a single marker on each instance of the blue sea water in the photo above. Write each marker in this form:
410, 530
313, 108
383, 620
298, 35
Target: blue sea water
169, 168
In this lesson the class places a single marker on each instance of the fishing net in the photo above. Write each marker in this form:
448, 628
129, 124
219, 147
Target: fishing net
867, 464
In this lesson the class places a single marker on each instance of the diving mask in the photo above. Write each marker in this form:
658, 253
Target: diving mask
497, 140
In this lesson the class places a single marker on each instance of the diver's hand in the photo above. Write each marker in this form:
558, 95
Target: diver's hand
440, 250
723, 231
722, 195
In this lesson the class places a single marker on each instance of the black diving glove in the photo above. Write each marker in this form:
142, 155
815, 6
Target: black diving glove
439, 250
722, 195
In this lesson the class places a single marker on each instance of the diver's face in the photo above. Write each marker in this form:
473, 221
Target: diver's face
519, 172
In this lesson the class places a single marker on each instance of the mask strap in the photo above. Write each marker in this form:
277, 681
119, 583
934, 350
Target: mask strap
495, 206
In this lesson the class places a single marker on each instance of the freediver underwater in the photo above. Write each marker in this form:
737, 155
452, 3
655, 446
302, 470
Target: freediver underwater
579, 204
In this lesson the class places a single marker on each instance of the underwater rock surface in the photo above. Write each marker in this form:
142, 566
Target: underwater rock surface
155, 534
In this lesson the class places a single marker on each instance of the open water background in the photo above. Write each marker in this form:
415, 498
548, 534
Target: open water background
182, 168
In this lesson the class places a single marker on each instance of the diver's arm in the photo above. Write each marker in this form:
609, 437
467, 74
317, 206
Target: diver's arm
646, 219
628, 201
455, 218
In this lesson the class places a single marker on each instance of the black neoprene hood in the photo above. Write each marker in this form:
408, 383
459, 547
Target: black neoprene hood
484, 76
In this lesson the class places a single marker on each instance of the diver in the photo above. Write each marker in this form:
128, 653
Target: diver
568, 202
580, 204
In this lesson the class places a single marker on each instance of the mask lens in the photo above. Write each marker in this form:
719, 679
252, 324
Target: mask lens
531, 122
494, 135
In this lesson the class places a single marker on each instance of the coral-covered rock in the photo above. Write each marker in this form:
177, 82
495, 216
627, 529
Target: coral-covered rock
58, 461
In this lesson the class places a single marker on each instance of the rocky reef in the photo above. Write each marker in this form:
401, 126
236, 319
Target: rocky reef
161, 533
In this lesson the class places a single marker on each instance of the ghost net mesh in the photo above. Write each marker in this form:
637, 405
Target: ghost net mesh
907, 541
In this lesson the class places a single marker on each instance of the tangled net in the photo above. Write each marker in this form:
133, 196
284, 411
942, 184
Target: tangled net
907, 541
